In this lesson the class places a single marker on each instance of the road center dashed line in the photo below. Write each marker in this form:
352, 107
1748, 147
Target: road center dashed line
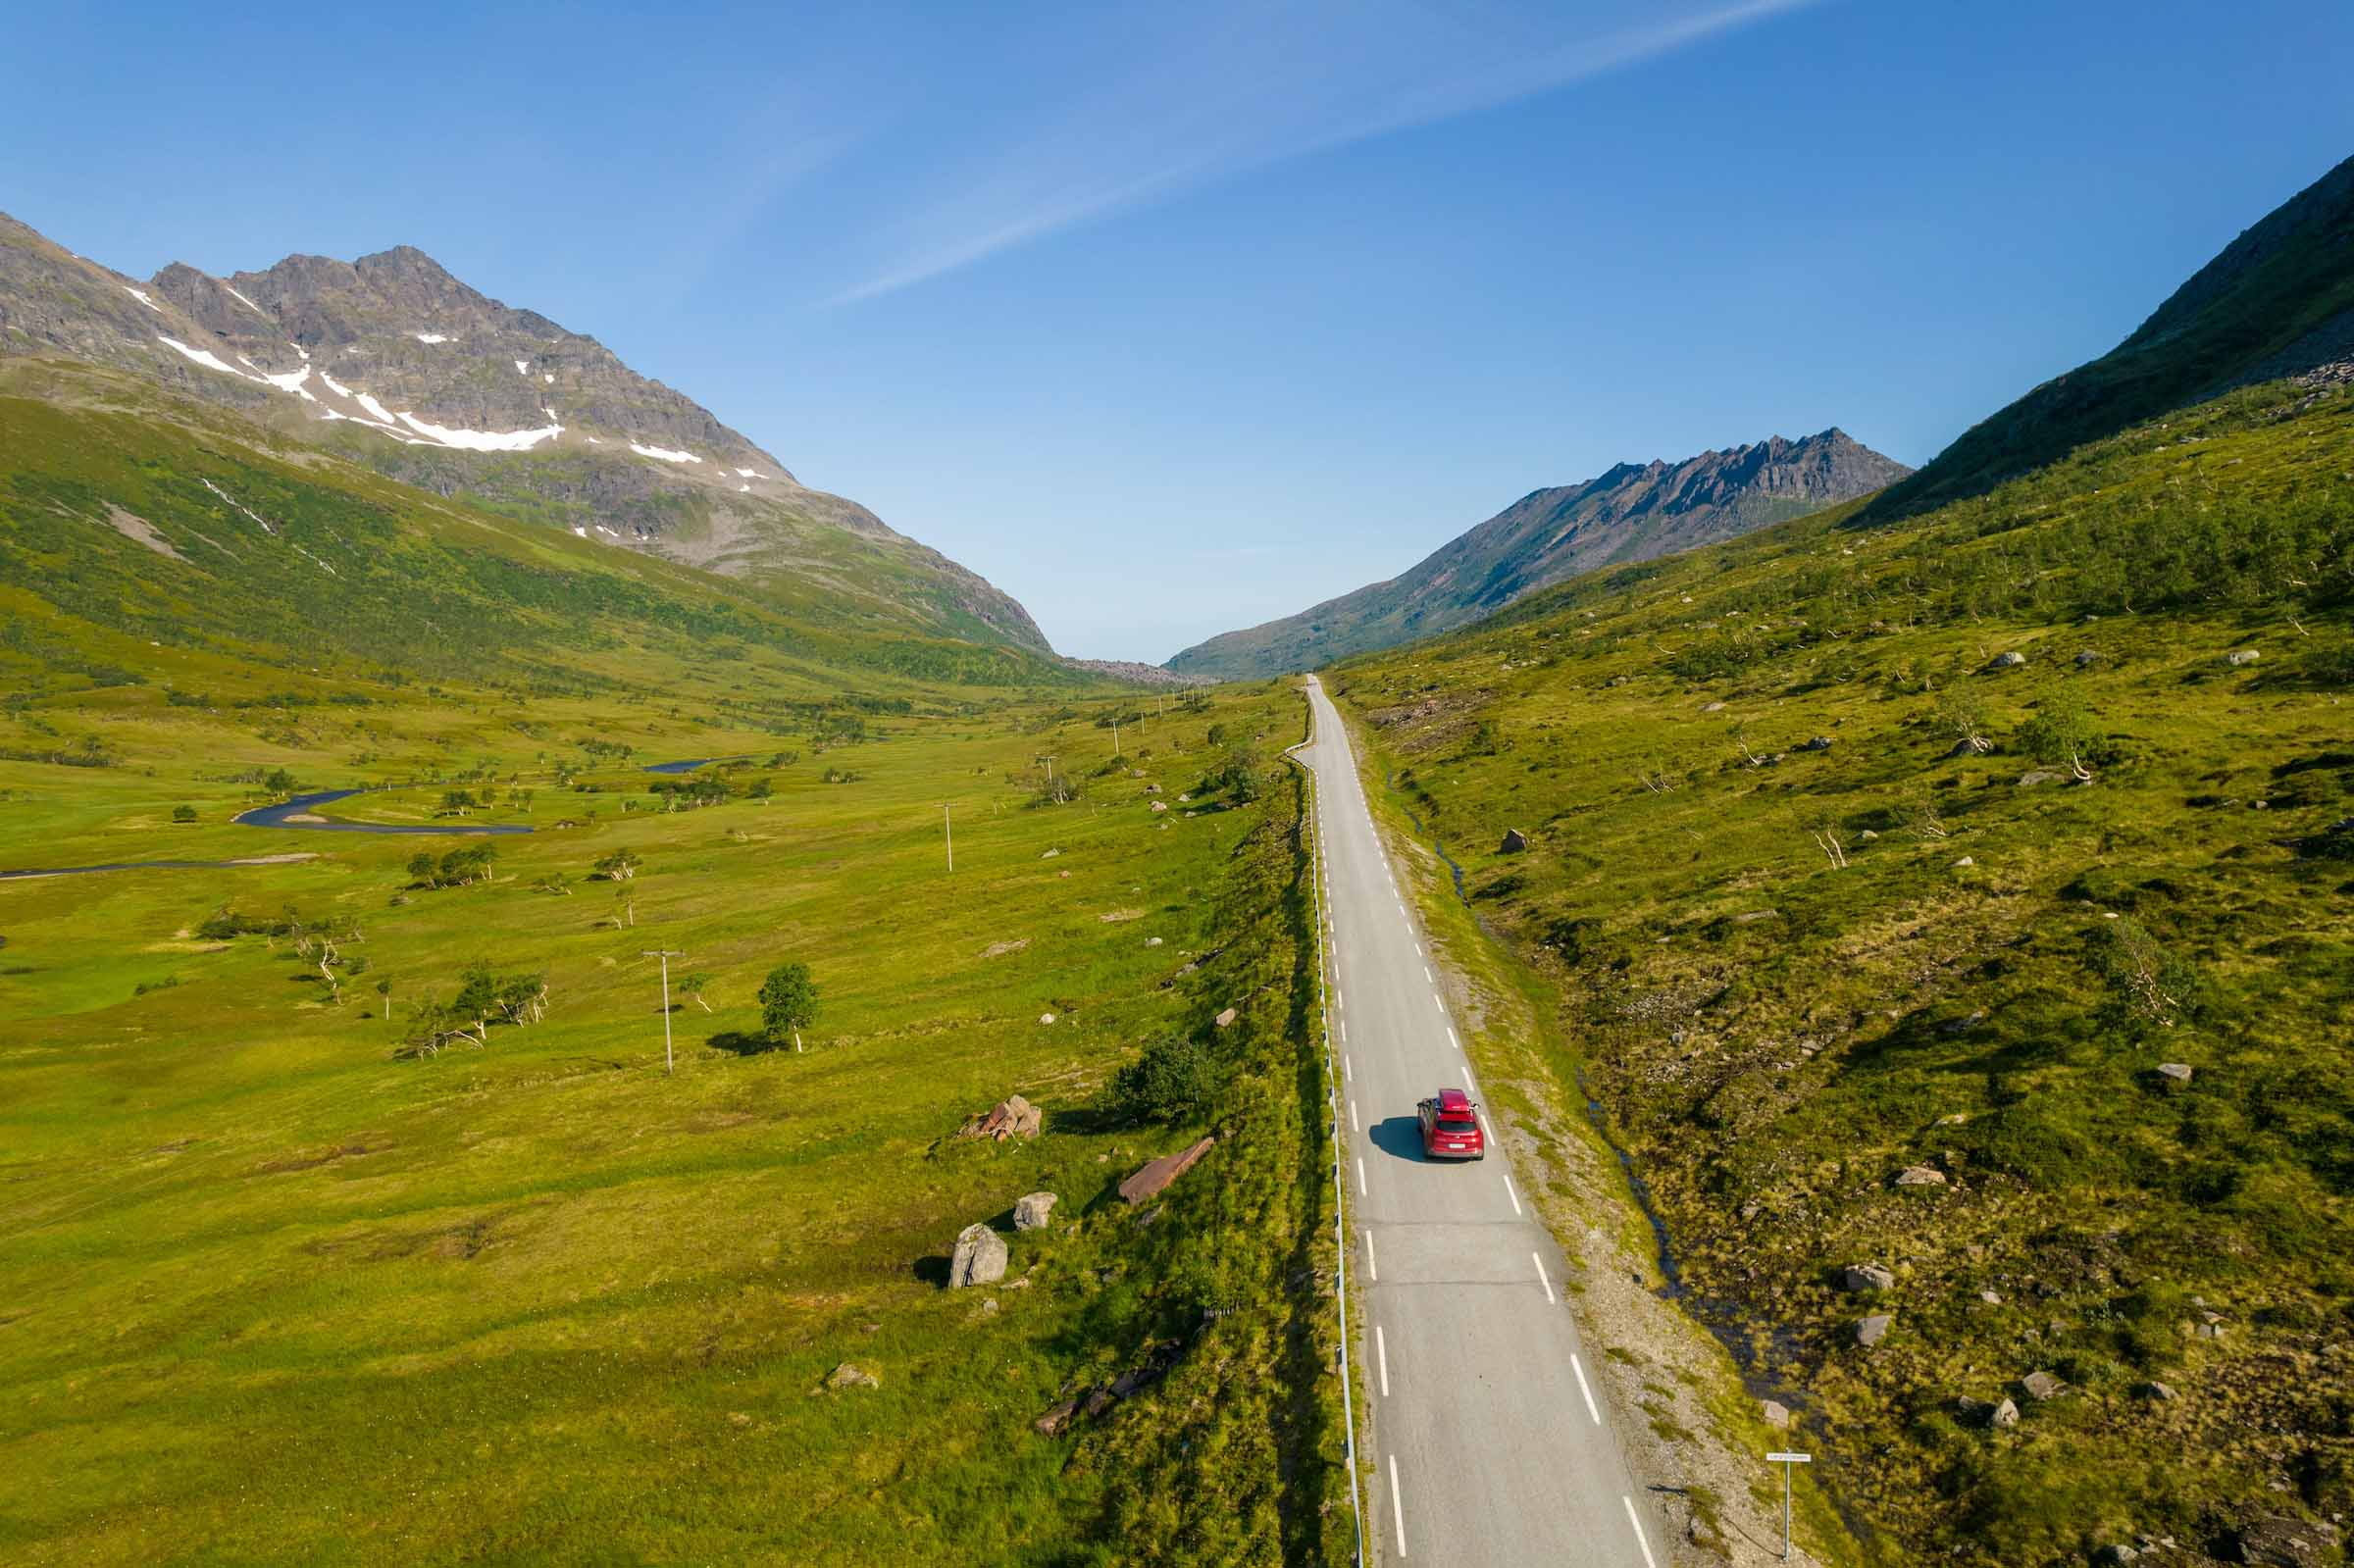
1632, 1518
1397, 1513
1580, 1367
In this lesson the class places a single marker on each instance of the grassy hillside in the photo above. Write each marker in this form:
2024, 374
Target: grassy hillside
283, 1283
2278, 301
142, 519
1810, 939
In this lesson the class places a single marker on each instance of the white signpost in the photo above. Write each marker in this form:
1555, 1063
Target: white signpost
1786, 1460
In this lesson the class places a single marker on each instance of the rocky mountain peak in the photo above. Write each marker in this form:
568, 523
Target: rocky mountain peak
395, 362
1629, 511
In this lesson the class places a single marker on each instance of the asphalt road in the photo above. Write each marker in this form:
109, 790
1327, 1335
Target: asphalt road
1488, 1437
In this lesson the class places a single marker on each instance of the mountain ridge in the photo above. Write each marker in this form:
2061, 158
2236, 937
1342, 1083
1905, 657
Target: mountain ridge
393, 361
2278, 301
1630, 511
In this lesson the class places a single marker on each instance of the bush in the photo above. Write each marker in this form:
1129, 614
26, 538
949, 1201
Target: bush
2149, 988
1169, 1082
183, 813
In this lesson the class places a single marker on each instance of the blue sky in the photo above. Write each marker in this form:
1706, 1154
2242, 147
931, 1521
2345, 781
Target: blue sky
1171, 319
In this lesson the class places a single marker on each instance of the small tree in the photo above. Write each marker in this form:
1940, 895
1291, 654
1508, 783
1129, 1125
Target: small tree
694, 985
1169, 1082
619, 866
787, 1002
183, 813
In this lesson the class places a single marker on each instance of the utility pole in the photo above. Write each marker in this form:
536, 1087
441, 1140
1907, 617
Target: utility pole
1115, 738
666, 954
950, 834
1786, 1460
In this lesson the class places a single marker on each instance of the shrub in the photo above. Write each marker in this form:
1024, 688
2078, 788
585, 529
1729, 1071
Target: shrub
183, 813
1170, 1081
2148, 988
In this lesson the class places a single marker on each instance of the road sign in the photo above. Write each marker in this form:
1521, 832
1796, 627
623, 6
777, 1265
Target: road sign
1786, 1460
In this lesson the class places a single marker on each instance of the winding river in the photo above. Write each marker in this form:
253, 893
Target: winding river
301, 813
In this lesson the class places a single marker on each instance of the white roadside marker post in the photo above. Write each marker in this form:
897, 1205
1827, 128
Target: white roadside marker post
1786, 1460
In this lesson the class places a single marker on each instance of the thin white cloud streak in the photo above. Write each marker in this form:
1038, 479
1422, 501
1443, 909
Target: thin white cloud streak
1199, 118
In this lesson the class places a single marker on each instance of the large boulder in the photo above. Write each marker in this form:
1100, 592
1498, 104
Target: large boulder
2006, 661
1861, 1277
1155, 1177
1872, 1330
2041, 1386
846, 1376
1919, 1176
1515, 840
979, 1257
1032, 1210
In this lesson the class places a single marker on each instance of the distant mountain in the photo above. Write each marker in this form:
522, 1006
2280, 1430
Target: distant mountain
2278, 301
1634, 512
394, 361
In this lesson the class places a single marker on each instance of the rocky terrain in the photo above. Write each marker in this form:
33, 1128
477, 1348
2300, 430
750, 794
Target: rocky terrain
1635, 512
394, 361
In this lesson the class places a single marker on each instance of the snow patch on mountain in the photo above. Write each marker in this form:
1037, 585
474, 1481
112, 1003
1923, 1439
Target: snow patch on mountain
205, 357
141, 296
291, 381
248, 304
482, 441
430, 338
664, 453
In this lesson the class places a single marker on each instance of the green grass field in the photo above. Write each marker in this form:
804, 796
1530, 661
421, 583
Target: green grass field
278, 1290
1791, 974
274, 1294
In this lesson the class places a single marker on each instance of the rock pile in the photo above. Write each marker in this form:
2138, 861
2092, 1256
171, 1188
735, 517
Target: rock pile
1011, 1117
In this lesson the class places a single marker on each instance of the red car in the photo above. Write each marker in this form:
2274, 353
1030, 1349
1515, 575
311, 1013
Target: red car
1451, 1128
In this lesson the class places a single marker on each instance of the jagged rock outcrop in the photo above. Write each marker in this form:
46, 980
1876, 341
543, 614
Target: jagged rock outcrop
1633, 512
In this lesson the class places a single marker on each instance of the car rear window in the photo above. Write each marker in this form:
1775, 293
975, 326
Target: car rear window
1457, 1124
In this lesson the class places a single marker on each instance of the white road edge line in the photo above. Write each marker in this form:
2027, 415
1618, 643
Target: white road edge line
1360, 1183
1579, 1368
1426, 976
1451, 1039
1372, 1272
1508, 1193
1631, 1519
1541, 1280
1381, 1353
1397, 1513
